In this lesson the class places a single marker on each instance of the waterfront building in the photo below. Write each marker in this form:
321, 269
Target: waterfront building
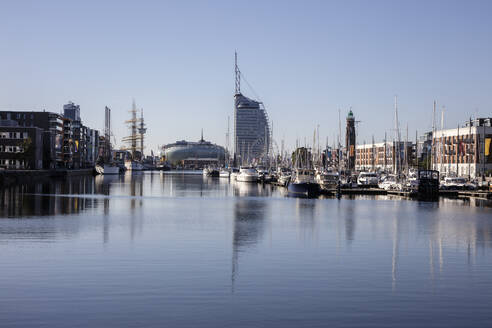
252, 136
20, 147
384, 156
71, 111
424, 148
51, 125
350, 141
64, 142
464, 151
194, 154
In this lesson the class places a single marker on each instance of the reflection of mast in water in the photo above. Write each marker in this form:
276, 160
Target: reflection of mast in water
247, 228
134, 186
349, 224
396, 249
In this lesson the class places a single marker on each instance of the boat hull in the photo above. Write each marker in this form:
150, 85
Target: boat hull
304, 189
246, 178
133, 166
107, 169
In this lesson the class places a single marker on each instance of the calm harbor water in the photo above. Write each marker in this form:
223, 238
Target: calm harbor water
181, 250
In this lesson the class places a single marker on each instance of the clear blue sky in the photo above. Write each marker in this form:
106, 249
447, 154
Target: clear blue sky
304, 59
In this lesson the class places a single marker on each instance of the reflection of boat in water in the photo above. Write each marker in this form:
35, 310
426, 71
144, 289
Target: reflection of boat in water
247, 174
304, 184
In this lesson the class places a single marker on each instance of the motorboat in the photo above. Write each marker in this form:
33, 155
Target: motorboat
225, 173
107, 169
133, 165
304, 184
247, 174
389, 182
284, 176
211, 172
457, 183
327, 180
234, 173
367, 179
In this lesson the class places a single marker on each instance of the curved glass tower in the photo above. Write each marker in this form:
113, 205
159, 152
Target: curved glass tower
251, 129
251, 126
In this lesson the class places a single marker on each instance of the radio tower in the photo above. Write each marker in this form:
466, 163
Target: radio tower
237, 74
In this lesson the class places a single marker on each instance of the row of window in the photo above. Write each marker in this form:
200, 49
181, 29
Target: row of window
14, 135
10, 116
11, 149
12, 164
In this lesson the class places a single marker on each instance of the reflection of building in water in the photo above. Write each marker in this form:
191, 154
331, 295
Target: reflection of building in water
249, 216
48, 197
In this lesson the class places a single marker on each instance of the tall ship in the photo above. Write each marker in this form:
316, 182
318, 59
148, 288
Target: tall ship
252, 133
135, 141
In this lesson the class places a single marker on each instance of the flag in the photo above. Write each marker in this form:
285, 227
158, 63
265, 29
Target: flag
488, 143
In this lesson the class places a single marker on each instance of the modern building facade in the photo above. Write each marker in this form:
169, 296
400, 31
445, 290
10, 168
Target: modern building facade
251, 129
20, 147
385, 156
195, 154
64, 142
464, 151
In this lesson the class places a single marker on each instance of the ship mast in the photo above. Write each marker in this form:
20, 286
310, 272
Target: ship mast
137, 131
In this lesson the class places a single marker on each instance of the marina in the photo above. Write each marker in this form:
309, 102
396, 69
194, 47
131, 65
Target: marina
246, 164
87, 250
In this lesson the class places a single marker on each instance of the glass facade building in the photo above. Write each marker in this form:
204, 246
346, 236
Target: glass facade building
251, 129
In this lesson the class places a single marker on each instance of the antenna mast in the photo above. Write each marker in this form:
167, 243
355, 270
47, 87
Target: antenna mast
238, 74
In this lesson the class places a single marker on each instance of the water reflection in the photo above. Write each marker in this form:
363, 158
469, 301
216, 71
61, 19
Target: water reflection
37, 198
248, 227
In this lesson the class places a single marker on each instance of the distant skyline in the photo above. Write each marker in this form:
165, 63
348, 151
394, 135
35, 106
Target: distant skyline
304, 59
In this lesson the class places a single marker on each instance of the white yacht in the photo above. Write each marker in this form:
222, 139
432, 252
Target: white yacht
327, 180
368, 179
247, 174
107, 169
225, 173
133, 165
234, 173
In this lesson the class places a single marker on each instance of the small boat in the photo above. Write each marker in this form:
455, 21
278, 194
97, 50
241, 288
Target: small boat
133, 165
247, 174
368, 180
303, 184
225, 173
283, 176
327, 180
107, 169
428, 185
210, 172
234, 173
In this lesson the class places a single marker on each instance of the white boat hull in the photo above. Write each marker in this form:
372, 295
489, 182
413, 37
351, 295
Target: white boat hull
247, 178
107, 169
133, 166
225, 174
